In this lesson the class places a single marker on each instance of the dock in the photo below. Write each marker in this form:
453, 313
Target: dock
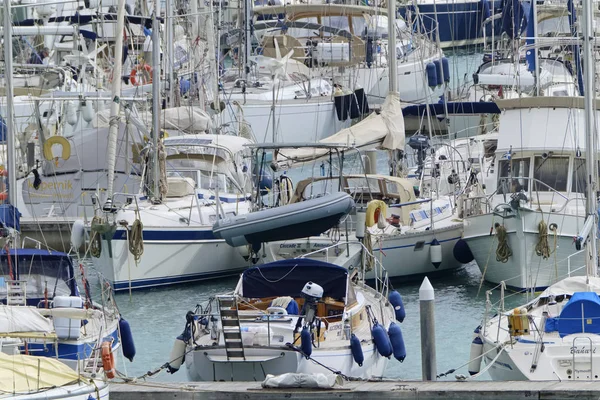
383, 390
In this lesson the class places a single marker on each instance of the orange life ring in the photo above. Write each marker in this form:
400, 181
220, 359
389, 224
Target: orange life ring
146, 80
108, 360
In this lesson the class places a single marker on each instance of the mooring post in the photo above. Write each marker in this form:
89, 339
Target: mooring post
427, 317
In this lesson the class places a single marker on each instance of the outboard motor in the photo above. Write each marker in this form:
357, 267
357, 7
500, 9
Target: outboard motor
420, 144
311, 293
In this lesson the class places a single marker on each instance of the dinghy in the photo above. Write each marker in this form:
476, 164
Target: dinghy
308, 218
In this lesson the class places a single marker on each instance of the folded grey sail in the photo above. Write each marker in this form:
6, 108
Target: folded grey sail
292, 221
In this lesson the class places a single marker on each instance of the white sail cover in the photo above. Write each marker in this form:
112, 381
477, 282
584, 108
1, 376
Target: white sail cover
382, 131
573, 284
186, 119
15, 319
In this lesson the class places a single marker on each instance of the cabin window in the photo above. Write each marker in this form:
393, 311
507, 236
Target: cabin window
513, 175
551, 172
337, 22
302, 32
391, 188
216, 181
320, 188
182, 174
362, 185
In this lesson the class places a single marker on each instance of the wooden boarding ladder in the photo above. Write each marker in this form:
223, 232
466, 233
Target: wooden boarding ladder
16, 293
230, 323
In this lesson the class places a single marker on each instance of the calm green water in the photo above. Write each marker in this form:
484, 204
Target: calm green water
157, 316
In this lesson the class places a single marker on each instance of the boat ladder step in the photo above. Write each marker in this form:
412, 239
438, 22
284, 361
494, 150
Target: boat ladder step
16, 293
230, 323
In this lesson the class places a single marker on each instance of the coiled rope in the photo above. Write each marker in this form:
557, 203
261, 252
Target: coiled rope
542, 248
96, 239
503, 252
136, 238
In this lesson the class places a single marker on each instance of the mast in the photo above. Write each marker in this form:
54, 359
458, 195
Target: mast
10, 128
392, 66
247, 37
155, 97
169, 51
590, 131
115, 105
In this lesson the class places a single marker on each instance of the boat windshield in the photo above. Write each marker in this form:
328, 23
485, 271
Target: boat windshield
513, 176
551, 173
205, 179
44, 275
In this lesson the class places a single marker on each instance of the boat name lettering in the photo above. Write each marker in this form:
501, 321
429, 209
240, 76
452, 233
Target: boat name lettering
62, 185
582, 350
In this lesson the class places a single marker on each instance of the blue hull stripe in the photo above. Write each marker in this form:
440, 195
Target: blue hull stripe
67, 351
413, 245
147, 283
191, 234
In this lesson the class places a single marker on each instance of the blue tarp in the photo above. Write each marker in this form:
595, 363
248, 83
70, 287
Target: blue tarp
581, 314
10, 216
514, 18
288, 277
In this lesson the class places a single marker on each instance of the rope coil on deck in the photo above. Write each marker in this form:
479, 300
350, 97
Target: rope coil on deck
503, 252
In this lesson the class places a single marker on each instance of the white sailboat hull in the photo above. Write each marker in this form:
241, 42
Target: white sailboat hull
525, 269
409, 254
174, 257
296, 120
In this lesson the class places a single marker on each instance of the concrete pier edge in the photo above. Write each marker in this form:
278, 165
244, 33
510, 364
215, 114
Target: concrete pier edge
150, 390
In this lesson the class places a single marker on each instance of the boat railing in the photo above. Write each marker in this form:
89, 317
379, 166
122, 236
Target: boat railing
258, 318
506, 179
38, 244
476, 205
381, 276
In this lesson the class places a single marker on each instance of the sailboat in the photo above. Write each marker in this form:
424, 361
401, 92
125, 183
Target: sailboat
164, 235
27, 377
42, 311
394, 223
555, 336
292, 316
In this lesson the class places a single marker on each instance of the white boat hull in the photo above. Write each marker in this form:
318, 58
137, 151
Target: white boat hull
409, 254
170, 256
525, 269
296, 120
211, 364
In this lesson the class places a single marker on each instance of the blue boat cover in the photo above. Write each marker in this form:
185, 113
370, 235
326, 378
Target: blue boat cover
288, 277
9, 216
456, 107
581, 314
55, 265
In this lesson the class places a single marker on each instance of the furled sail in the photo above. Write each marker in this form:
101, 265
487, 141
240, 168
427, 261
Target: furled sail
384, 130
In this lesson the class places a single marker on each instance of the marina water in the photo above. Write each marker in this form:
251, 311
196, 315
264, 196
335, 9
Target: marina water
157, 317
